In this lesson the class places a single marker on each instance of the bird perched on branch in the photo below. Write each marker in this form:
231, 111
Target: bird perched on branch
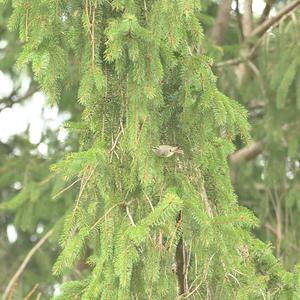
166, 150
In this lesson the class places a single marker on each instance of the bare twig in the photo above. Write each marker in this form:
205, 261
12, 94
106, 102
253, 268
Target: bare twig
38, 296
262, 28
88, 15
104, 216
26, 24
93, 33
246, 153
129, 216
31, 292
203, 278
266, 11
65, 189
9, 101
115, 142
10, 295
82, 187
149, 200
205, 199
235, 61
25, 262
145, 10
259, 31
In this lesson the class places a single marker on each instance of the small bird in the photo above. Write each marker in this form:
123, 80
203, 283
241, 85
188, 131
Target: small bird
166, 150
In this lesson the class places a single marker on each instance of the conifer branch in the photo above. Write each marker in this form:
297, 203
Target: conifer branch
205, 199
114, 144
91, 26
84, 182
25, 262
87, 13
178, 225
104, 216
201, 281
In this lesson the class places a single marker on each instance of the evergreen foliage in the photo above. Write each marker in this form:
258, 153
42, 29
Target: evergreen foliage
139, 226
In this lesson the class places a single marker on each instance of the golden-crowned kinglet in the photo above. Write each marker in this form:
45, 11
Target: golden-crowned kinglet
166, 150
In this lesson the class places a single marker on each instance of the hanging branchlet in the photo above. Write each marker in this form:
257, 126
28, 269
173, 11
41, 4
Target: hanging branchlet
143, 82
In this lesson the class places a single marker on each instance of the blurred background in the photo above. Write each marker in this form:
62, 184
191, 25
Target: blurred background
259, 69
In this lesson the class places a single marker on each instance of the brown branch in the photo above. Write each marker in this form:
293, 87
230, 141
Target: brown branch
246, 153
25, 262
84, 181
129, 216
31, 292
38, 296
241, 71
259, 31
65, 189
221, 23
93, 33
179, 257
104, 216
266, 11
239, 19
247, 18
235, 61
262, 28
8, 102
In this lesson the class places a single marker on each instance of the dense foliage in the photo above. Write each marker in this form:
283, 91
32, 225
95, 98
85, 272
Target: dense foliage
129, 224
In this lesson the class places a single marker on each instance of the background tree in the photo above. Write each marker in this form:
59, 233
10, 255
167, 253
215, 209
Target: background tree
135, 225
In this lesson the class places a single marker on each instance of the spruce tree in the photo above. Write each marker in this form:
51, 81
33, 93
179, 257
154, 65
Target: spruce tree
143, 226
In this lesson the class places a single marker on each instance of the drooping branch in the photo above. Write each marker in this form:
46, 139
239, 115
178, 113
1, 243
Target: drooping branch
221, 23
